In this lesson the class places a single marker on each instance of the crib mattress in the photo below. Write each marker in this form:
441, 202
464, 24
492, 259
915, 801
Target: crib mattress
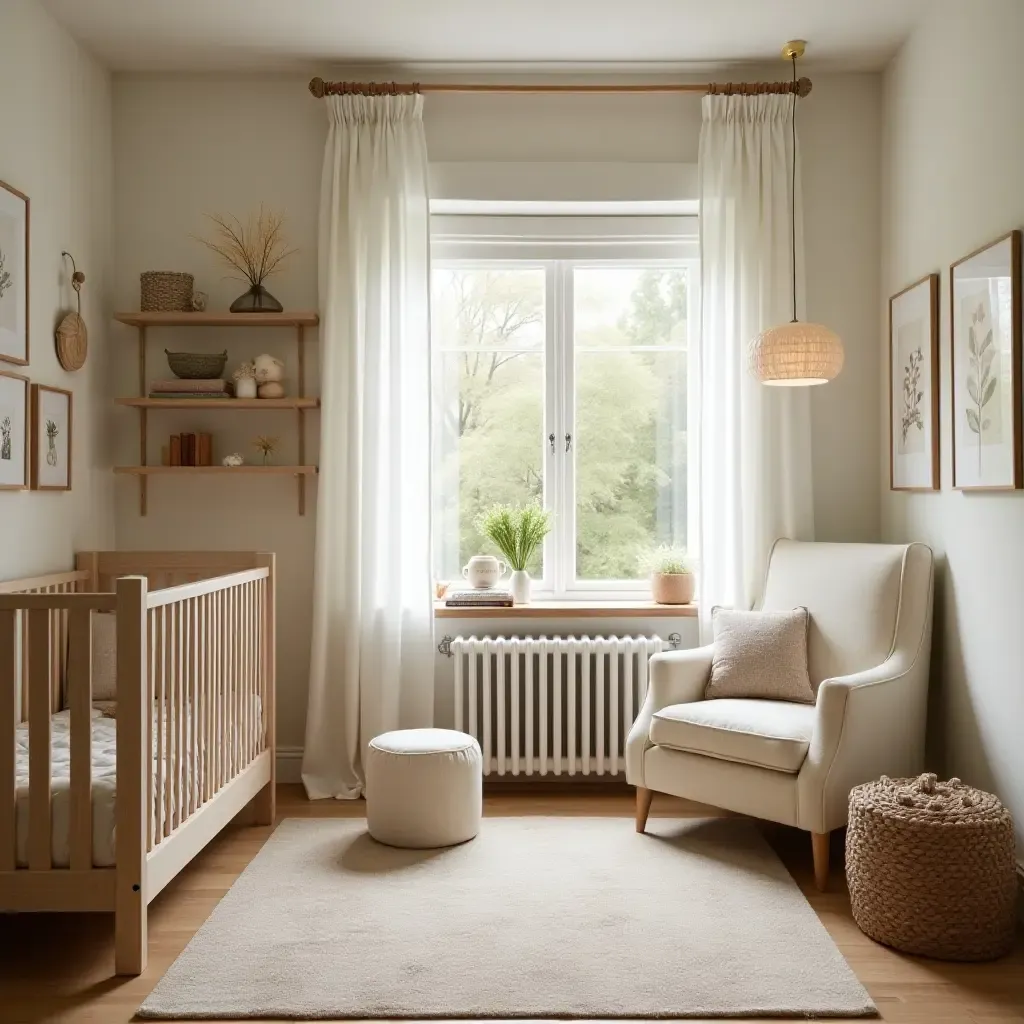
104, 787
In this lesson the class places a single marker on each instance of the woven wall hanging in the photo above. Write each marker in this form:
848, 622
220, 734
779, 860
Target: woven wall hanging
72, 335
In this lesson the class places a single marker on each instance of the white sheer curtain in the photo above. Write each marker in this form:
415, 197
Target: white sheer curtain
754, 441
371, 664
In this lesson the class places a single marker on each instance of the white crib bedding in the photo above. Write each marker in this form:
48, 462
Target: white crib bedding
104, 785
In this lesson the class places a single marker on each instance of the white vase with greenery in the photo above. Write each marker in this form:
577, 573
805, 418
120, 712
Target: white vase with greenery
517, 531
672, 578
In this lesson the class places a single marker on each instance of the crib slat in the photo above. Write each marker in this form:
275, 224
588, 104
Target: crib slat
222, 654
9, 683
79, 686
161, 721
192, 705
179, 716
246, 687
39, 739
172, 714
203, 722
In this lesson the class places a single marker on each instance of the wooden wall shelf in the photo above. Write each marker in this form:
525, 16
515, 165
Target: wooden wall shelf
207, 470
220, 403
302, 319
297, 322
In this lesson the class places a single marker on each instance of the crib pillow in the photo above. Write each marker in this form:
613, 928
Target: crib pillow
104, 658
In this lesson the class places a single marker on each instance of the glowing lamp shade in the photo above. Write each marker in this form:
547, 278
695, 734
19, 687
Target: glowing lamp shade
795, 355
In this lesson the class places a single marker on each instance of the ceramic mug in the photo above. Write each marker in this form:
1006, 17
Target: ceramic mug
483, 571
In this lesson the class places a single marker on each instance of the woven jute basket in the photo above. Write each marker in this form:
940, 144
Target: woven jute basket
931, 868
166, 291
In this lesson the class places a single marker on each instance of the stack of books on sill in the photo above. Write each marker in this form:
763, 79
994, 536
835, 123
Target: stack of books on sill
190, 389
480, 597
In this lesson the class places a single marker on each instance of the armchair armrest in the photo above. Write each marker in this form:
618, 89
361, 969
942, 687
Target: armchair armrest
867, 724
675, 677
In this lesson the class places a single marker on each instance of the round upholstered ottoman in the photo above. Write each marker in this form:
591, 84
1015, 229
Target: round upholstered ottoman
931, 868
424, 788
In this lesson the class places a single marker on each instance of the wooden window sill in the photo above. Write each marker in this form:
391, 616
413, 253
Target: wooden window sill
572, 610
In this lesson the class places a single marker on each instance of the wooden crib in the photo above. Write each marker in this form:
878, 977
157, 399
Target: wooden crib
194, 727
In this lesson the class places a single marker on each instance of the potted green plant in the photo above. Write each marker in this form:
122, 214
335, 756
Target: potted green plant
517, 531
672, 578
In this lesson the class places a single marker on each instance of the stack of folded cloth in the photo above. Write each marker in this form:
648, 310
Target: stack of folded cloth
190, 389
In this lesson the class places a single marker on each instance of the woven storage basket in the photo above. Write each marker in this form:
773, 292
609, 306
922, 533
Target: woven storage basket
931, 868
166, 291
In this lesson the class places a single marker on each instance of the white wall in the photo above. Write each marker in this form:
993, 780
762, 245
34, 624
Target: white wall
953, 179
185, 145
55, 146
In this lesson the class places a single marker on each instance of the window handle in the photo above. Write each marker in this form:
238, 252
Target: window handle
551, 441
568, 441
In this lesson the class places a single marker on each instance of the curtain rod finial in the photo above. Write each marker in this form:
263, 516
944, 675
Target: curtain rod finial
316, 87
803, 87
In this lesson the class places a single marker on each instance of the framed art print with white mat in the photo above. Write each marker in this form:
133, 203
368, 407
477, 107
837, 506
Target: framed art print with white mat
13, 275
13, 431
51, 438
914, 387
985, 349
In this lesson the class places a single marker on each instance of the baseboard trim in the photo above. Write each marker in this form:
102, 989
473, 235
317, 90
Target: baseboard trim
289, 770
289, 764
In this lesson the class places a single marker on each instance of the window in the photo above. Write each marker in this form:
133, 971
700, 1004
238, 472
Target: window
562, 381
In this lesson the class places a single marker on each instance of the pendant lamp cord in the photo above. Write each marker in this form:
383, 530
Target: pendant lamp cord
792, 191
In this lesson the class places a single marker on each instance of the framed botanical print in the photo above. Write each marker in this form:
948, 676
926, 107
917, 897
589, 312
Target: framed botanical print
914, 387
51, 438
13, 275
985, 349
13, 431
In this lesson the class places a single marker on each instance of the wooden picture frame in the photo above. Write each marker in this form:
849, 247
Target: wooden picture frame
52, 436
14, 431
914, 387
14, 275
985, 367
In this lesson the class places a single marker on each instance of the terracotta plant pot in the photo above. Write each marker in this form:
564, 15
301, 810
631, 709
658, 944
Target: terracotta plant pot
672, 587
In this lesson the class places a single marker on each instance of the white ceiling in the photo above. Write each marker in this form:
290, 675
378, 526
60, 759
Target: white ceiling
254, 35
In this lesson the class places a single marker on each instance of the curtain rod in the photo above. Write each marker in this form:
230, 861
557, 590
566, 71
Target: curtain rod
319, 88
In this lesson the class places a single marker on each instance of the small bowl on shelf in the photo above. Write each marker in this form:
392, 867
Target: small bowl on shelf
196, 365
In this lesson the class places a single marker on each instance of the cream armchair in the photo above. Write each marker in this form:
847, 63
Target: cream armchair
868, 653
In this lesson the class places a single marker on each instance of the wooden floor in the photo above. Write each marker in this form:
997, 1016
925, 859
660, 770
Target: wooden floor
57, 967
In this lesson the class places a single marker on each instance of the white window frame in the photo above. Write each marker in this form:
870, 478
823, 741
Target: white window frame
559, 245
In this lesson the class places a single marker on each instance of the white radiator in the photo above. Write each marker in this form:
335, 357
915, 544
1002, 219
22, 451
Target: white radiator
550, 704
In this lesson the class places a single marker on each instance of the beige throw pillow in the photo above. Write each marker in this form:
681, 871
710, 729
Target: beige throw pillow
760, 655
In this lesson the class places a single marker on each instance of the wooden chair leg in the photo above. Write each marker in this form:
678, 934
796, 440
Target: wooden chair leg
643, 806
819, 844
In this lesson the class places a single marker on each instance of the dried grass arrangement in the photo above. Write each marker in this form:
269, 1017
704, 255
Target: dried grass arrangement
253, 249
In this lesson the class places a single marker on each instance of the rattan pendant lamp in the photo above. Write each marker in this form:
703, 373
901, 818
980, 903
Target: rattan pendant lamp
796, 354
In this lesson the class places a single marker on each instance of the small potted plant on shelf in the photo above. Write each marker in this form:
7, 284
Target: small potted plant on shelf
672, 577
517, 531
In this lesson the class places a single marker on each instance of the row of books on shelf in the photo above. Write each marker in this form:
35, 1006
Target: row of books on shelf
189, 450
479, 597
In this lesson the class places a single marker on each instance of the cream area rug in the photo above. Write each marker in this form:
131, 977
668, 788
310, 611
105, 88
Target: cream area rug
536, 917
